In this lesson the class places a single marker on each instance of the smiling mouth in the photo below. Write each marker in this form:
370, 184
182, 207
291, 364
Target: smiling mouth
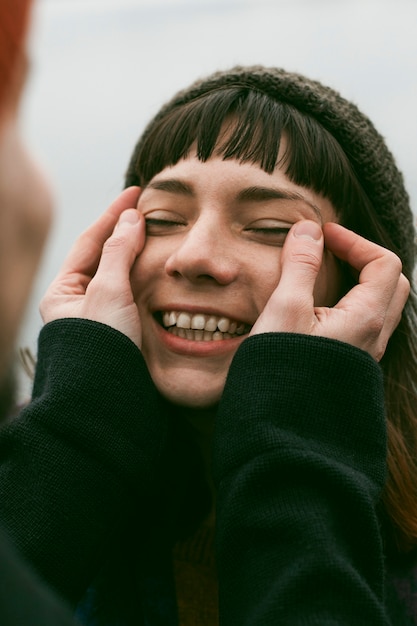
201, 327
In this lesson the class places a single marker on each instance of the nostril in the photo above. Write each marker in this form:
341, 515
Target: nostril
202, 264
206, 277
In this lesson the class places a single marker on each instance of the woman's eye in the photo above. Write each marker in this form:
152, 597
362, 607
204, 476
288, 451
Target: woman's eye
161, 225
271, 235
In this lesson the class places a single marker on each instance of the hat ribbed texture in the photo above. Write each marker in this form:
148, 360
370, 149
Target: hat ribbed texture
372, 162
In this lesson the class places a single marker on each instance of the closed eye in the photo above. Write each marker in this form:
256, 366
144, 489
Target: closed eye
158, 226
274, 236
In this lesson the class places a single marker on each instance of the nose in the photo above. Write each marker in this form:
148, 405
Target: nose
204, 253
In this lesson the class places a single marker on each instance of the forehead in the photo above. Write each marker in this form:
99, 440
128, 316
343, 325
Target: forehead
231, 181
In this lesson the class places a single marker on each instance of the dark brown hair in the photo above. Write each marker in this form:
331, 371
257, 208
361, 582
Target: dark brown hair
314, 159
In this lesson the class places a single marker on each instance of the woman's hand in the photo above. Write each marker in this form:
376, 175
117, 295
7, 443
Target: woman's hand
365, 317
94, 280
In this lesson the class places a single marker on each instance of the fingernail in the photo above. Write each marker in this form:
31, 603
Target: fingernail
308, 230
130, 216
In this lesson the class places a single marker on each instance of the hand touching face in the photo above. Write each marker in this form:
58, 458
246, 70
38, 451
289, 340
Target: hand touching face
94, 281
230, 251
365, 317
215, 234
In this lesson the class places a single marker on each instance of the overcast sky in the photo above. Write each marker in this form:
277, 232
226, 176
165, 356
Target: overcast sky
101, 68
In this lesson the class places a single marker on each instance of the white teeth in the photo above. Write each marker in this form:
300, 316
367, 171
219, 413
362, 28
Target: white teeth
184, 320
211, 323
198, 322
199, 335
223, 324
169, 319
200, 327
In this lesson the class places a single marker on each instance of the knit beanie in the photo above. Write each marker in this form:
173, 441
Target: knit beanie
13, 24
365, 148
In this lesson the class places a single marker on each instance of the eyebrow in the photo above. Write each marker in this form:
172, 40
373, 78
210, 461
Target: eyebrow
249, 194
264, 194
172, 185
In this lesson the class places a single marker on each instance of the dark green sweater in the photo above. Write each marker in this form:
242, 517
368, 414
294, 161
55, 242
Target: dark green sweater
299, 460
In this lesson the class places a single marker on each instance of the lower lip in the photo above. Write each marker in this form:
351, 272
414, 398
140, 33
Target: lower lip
186, 347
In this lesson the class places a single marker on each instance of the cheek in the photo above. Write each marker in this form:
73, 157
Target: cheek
148, 267
264, 270
328, 288
138, 275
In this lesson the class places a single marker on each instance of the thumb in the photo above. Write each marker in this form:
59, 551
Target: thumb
291, 306
121, 249
301, 257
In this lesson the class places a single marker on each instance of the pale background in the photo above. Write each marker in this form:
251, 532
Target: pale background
101, 68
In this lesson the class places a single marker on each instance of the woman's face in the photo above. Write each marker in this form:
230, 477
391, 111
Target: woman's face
215, 232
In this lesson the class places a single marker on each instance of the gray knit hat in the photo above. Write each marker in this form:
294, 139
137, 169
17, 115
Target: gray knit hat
372, 162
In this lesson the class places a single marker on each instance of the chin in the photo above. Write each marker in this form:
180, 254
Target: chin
191, 395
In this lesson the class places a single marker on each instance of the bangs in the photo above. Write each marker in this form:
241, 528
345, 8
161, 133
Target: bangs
255, 132
246, 125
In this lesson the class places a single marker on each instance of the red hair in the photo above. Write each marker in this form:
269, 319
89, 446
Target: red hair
14, 16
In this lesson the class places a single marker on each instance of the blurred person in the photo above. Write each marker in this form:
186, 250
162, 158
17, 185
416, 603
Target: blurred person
25, 197
25, 212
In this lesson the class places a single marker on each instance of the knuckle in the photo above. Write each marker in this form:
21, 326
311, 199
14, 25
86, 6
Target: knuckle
379, 352
47, 308
101, 289
294, 307
45, 302
375, 325
115, 242
404, 285
43, 307
394, 261
305, 258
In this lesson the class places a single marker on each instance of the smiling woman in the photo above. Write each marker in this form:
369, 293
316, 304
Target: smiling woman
232, 346
327, 164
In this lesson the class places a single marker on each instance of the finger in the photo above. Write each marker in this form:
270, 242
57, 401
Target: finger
373, 333
379, 268
291, 306
118, 255
393, 314
357, 251
301, 259
84, 256
380, 294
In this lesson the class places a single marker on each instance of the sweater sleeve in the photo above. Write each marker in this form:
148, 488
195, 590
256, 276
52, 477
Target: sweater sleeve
299, 463
84, 453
